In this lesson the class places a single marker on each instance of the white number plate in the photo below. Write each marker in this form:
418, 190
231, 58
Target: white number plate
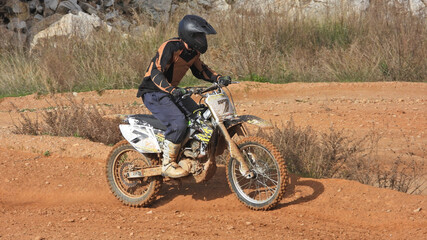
220, 106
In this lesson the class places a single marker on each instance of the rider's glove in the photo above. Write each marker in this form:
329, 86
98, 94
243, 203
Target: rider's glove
226, 80
178, 92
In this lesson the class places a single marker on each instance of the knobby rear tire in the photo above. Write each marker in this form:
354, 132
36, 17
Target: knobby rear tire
262, 157
134, 193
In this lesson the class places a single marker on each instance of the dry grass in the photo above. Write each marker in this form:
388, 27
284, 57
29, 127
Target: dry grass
339, 154
72, 119
383, 44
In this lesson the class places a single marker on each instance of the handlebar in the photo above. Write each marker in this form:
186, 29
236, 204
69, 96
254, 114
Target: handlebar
201, 90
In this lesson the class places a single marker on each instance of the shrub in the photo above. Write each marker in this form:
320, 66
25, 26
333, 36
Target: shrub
339, 154
72, 119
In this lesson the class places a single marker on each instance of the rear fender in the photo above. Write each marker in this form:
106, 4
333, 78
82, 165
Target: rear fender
142, 138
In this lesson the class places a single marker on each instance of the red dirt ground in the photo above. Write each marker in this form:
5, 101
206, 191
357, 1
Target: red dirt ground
65, 195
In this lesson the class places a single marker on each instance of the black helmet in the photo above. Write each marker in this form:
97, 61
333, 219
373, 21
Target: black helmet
192, 30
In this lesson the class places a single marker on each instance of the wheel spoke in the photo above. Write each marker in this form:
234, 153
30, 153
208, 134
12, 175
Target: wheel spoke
266, 186
272, 180
129, 161
267, 181
249, 182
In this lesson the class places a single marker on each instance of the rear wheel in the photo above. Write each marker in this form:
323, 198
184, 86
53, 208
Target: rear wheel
132, 192
265, 190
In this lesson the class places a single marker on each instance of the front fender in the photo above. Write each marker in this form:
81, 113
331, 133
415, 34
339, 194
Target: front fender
251, 119
234, 127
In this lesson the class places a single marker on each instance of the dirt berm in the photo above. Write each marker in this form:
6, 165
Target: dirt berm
55, 187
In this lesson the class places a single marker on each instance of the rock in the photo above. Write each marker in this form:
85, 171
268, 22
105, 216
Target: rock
42, 25
51, 4
48, 12
230, 227
88, 8
108, 3
16, 8
125, 25
17, 25
207, 5
40, 9
68, 6
32, 6
157, 10
81, 25
38, 17
324, 8
417, 210
111, 15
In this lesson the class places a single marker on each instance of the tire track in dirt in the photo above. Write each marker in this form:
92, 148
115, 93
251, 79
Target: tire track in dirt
83, 207
65, 196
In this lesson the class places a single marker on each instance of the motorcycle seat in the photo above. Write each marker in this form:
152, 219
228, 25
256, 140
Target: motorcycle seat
150, 119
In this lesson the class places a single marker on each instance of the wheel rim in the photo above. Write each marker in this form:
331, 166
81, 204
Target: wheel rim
130, 160
266, 183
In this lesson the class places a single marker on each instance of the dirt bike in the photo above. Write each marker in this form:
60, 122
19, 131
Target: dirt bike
256, 171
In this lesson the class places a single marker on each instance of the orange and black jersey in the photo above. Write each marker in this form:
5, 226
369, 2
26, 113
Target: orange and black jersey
168, 67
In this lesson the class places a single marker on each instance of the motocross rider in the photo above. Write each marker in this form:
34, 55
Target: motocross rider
159, 88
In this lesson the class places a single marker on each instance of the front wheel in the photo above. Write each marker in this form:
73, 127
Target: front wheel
265, 190
138, 192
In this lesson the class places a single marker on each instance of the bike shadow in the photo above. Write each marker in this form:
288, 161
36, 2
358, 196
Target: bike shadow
296, 191
215, 188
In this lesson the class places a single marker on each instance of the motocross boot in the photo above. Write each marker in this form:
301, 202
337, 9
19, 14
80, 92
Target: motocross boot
169, 166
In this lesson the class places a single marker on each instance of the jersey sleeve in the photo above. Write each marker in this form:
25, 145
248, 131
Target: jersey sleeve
202, 71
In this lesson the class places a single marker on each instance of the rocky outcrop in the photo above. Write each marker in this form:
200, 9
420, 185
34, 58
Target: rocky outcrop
319, 8
23, 17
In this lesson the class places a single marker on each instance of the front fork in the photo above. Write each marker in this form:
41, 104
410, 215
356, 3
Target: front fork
235, 152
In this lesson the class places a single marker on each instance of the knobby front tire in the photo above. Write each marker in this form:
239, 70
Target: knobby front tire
267, 188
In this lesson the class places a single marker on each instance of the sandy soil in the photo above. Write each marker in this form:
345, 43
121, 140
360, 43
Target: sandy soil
65, 195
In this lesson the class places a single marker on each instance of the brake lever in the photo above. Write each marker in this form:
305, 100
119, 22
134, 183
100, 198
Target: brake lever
187, 95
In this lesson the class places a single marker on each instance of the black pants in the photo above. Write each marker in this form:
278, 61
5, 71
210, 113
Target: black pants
172, 114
